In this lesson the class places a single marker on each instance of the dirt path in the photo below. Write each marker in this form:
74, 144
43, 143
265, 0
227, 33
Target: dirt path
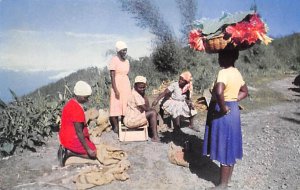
271, 152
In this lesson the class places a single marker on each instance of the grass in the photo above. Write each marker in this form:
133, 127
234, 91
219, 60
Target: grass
263, 96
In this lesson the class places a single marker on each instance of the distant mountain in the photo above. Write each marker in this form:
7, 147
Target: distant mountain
90, 75
22, 82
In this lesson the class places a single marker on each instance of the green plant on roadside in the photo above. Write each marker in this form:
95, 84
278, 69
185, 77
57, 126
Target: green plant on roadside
26, 123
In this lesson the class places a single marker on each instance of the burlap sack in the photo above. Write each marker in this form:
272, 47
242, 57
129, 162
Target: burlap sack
108, 155
91, 114
102, 175
176, 155
103, 117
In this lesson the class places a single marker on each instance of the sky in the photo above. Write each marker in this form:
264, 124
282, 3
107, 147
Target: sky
52, 38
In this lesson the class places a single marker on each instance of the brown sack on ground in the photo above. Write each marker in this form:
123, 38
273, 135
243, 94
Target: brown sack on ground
77, 160
103, 117
91, 114
98, 130
100, 176
108, 155
176, 155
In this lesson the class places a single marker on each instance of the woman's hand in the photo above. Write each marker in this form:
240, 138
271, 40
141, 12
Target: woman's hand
190, 104
154, 103
225, 110
117, 94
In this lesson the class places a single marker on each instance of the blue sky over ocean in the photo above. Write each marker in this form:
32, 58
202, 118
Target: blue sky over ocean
57, 37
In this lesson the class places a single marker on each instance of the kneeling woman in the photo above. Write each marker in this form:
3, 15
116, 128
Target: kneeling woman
73, 134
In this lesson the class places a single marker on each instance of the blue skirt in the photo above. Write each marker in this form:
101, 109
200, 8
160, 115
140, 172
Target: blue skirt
223, 134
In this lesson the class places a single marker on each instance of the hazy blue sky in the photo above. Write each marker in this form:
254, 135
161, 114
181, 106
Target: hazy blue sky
62, 36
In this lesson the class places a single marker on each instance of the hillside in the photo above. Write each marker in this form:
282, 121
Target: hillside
281, 56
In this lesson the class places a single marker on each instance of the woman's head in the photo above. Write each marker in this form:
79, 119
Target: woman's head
121, 49
140, 84
227, 58
184, 79
82, 91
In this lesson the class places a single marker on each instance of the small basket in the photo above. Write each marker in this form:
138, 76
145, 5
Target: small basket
222, 42
216, 44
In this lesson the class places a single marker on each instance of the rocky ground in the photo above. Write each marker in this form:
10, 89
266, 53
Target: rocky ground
271, 139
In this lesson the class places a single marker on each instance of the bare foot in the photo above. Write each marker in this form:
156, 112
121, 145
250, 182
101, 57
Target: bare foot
193, 128
155, 139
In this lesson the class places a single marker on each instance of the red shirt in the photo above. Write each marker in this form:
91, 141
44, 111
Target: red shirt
72, 112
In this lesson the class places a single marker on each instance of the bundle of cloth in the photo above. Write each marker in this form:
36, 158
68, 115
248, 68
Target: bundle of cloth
245, 28
111, 164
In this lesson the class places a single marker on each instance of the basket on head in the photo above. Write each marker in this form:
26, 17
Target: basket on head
222, 42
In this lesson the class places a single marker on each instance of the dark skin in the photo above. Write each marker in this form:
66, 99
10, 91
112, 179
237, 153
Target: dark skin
226, 60
151, 114
114, 119
167, 92
79, 132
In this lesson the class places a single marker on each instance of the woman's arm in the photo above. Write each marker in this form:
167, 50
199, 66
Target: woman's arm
113, 83
243, 93
146, 106
219, 90
161, 95
188, 100
79, 132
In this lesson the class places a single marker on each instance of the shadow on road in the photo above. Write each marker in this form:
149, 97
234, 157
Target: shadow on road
200, 165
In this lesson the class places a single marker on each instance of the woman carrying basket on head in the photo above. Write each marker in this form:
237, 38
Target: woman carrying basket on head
223, 135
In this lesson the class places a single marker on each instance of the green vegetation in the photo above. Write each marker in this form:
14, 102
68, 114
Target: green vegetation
25, 123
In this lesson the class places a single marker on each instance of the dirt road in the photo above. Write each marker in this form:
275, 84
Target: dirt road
271, 138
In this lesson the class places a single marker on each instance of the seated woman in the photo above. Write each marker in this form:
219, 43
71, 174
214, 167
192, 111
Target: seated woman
138, 111
73, 134
176, 100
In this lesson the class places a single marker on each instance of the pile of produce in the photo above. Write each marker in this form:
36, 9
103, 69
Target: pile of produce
239, 31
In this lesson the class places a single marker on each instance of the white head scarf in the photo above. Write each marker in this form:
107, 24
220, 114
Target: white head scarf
82, 89
140, 79
120, 45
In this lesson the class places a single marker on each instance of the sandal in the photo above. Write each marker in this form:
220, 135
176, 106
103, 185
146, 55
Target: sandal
62, 155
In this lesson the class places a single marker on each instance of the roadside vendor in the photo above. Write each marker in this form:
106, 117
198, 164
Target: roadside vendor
73, 134
138, 111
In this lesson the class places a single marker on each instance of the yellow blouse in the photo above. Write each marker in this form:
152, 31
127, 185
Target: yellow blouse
233, 81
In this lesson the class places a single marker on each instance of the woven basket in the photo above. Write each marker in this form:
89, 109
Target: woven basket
220, 42
216, 44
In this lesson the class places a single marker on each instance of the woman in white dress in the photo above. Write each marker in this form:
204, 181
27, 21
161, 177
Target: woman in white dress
176, 100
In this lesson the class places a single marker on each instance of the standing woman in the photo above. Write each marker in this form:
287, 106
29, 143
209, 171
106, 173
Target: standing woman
120, 91
223, 135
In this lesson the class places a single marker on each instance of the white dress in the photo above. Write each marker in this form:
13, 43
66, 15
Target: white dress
176, 104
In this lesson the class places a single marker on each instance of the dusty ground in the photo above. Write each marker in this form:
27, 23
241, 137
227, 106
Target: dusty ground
271, 156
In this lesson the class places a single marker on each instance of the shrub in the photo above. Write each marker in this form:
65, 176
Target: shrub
25, 123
